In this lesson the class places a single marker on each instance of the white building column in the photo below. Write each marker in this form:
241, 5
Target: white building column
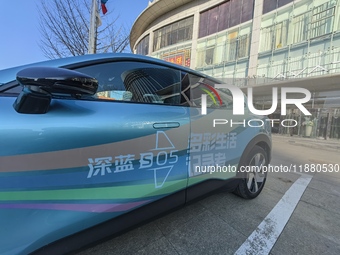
255, 38
193, 58
150, 43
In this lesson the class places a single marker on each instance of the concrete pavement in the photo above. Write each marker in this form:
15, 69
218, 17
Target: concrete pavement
315, 143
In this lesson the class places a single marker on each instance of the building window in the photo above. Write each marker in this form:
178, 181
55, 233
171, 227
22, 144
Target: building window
299, 28
200, 58
322, 20
243, 46
238, 47
270, 5
143, 46
247, 10
209, 56
274, 37
177, 32
266, 38
280, 34
226, 48
235, 14
231, 50
206, 56
224, 16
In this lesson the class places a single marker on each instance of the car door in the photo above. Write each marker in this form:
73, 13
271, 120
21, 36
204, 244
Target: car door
142, 100
86, 161
216, 143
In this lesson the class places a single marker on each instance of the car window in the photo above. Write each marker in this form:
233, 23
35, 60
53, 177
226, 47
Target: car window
216, 98
136, 82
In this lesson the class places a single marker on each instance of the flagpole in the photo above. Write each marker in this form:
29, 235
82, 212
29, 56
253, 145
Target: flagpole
93, 28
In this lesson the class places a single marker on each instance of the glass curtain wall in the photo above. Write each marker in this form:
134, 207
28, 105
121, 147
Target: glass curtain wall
177, 32
301, 40
224, 44
224, 16
143, 46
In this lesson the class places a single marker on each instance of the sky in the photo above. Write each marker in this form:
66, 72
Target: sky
19, 28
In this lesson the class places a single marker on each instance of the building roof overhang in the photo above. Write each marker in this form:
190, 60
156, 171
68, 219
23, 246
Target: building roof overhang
155, 9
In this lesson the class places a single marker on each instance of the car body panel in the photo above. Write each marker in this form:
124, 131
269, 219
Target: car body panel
88, 181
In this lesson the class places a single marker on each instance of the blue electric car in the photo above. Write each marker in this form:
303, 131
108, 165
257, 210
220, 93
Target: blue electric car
99, 143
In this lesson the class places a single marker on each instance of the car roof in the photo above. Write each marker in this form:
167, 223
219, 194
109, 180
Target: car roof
8, 75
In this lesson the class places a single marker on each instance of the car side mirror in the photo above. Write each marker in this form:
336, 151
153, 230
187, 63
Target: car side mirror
41, 83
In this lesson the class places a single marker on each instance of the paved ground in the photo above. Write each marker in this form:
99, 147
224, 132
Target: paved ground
223, 222
316, 143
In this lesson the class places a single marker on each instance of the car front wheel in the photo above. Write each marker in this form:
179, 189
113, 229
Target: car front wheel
254, 176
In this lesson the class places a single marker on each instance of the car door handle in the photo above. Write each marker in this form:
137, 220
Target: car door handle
166, 125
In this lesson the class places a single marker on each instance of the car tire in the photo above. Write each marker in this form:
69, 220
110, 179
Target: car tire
253, 180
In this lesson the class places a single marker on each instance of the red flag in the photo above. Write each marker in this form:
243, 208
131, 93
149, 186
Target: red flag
103, 2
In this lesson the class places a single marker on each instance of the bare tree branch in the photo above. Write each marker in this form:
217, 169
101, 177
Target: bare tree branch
64, 26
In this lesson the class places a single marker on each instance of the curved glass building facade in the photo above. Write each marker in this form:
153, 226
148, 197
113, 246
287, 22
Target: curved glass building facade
243, 38
250, 43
